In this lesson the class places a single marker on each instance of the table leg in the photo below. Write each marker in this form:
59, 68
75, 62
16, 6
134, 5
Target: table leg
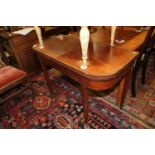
84, 92
122, 89
45, 71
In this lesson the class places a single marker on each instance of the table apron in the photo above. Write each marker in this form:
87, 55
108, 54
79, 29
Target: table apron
90, 83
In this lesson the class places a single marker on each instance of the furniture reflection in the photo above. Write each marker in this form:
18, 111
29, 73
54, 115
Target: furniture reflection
118, 35
54, 30
19, 48
107, 66
10, 77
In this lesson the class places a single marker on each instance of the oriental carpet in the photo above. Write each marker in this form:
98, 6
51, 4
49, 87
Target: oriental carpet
62, 109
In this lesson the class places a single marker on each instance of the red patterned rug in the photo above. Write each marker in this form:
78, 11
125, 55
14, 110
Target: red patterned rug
142, 106
61, 110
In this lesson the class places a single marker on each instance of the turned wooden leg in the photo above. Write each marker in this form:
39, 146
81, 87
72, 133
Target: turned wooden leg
84, 92
122, 89
45, 71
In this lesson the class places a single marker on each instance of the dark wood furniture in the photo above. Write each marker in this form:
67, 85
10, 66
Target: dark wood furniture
20, 48
145, 50
10, 77
107, 66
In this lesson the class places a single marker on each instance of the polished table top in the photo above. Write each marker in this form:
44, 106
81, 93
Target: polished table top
104, 62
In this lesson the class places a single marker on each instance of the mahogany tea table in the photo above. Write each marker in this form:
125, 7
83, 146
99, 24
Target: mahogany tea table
107, 66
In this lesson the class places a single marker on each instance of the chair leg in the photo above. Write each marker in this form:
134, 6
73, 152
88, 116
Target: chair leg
134, 75
145, 63
31, 86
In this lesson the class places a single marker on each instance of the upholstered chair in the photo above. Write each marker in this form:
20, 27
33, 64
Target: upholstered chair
10, 77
